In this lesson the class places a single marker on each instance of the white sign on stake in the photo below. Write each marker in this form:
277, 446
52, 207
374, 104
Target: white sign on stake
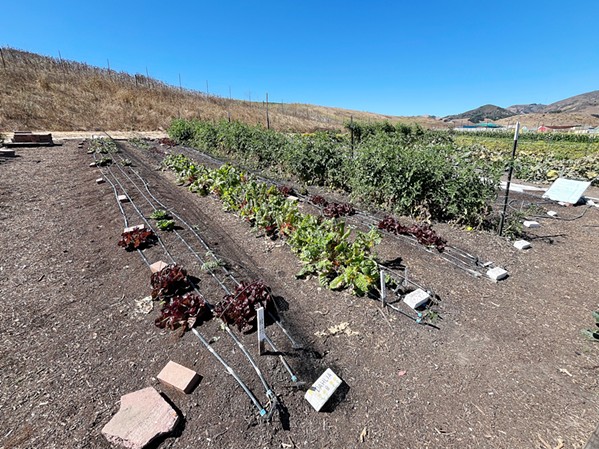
261, 334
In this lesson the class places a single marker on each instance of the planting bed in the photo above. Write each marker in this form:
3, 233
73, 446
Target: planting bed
507, 366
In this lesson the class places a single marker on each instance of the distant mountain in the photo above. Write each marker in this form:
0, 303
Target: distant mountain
580, 109
527, 108
486, 112
587, 103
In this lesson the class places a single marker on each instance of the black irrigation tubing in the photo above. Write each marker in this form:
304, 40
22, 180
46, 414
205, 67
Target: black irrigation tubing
191, 250
230, 370
272, 398
268, 390
138, 211
116, 197
295, 345
192, 230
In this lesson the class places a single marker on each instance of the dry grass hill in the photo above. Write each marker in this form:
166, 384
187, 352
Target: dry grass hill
42, 93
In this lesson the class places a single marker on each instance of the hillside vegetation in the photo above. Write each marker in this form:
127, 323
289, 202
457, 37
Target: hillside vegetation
43, 93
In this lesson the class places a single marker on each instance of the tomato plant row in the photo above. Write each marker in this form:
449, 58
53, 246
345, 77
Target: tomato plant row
403, 169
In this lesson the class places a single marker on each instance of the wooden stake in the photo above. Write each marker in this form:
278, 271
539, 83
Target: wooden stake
383, 292
267, 118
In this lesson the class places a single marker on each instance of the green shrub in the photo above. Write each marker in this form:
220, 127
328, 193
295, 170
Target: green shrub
318, 159
428, 181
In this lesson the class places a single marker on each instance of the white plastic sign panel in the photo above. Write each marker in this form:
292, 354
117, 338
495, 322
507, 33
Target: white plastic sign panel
322, 390
566, 190
261, 333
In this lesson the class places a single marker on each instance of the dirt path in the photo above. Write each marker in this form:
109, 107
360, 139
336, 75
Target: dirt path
507, 368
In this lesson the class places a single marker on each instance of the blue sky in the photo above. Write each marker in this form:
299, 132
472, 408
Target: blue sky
399, 58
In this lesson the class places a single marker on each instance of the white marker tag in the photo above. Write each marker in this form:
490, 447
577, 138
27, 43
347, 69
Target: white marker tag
323, 389
261, 334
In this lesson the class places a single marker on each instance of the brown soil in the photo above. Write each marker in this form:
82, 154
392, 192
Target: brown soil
506, 368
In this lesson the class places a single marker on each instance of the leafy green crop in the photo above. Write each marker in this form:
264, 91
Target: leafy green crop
166, 225
325, 247
160, 214
103, 146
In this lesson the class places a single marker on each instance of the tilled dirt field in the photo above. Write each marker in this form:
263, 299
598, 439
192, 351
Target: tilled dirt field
506, 367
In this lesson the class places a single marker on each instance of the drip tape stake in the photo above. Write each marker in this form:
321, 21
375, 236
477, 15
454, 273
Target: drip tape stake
283, 361
261, 409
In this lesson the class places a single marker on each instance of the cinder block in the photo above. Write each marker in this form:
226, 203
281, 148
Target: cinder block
522, 244
324, 387
179, 377
100, 181
123, 198
134, 228
416, 298
157, 266
497, 273
531, 224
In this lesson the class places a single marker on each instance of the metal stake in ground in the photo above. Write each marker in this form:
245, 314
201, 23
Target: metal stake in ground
231, 372
509, 179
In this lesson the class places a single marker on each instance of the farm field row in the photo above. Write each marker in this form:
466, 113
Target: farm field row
490, 376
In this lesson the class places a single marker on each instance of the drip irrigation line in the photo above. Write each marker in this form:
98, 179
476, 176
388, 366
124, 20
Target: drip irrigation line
283, 361
269, 392
141, 215
230, 370
116, 196
191, 250
294, 344
271, 396
200, 239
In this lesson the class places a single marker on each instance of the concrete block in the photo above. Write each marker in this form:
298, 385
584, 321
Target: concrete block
179, 377
157, 266
324, 387
531, 224
416, 298
100, 181
123, 198
522, 244
497, 273
552, 213
134, 228
144, 415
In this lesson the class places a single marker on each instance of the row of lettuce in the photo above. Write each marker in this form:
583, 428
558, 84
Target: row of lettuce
327, 248
402, 169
